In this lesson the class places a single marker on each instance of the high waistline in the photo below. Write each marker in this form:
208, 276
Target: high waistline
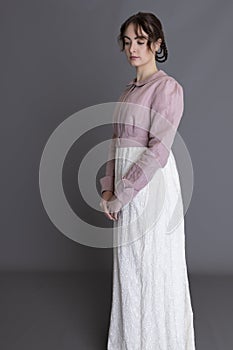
130, 142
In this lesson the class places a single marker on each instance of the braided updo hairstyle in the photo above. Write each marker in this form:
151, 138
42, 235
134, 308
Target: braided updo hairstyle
152, 26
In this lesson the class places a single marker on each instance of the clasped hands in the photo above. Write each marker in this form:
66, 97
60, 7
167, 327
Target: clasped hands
111, 205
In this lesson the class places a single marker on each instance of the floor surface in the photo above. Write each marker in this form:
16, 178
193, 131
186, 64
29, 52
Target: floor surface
70, 311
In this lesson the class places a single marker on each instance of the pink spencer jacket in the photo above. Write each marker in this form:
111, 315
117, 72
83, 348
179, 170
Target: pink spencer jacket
150, 113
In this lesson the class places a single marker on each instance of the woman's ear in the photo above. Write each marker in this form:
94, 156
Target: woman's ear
157, 44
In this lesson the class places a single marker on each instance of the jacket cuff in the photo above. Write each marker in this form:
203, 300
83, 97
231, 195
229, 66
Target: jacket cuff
125, 191
107, 183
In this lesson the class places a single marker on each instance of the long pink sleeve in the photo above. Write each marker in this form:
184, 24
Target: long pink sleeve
167, 110
107, 181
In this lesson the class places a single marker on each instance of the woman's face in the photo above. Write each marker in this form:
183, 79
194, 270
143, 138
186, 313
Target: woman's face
136, 49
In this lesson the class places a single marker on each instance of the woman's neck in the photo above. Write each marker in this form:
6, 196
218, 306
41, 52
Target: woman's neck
143, 74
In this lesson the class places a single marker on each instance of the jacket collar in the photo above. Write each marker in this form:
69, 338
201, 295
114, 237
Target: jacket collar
153, 77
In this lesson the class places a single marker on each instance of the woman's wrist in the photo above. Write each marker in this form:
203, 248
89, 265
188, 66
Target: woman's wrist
106, 194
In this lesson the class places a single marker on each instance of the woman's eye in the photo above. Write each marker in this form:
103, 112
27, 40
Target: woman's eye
140, 43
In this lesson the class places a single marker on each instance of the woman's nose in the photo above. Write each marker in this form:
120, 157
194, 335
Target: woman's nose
132, 48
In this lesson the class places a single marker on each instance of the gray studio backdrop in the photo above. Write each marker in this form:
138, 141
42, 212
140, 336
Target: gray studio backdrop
58, 57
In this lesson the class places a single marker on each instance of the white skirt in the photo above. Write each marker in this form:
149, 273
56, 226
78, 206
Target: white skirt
151, 304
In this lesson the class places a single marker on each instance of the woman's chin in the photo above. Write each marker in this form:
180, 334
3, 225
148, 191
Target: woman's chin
134, 64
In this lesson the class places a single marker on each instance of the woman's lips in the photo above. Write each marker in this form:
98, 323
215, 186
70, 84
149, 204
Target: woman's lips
133, 57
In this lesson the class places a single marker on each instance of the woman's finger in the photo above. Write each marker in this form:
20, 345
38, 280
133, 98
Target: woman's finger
114, 215
106, 211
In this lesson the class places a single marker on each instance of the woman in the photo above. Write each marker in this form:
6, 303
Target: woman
151, 304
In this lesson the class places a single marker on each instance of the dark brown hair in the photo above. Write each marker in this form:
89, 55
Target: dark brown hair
152, 26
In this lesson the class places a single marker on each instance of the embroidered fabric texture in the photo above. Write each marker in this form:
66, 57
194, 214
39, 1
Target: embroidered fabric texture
151, 304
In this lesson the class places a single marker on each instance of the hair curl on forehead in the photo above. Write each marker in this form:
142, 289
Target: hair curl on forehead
151, 26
